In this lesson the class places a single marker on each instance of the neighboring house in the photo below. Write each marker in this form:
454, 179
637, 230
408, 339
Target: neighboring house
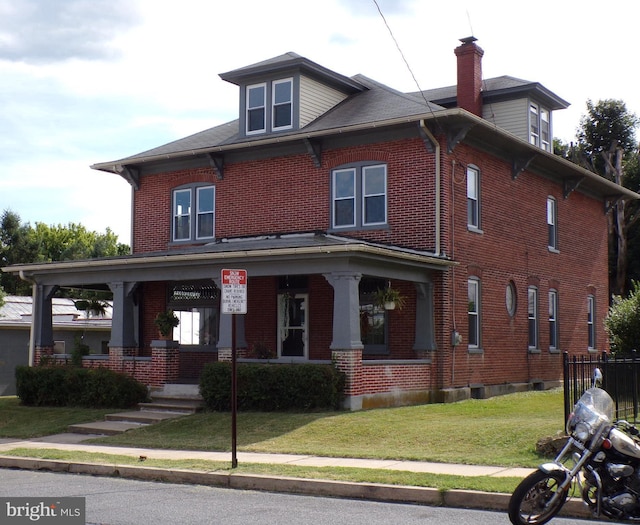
69, 325
327, 188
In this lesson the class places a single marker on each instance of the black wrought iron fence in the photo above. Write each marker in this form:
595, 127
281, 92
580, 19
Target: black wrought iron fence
620, 380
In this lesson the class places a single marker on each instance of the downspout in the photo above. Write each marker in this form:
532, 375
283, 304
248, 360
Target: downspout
33, 317
436, 146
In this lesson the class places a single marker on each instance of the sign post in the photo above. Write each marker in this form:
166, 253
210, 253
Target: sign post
234, 301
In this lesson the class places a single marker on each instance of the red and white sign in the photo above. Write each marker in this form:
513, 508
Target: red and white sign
234, 291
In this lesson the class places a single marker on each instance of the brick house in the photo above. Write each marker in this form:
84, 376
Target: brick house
328, 188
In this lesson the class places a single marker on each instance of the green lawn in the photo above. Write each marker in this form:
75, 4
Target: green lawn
497, 431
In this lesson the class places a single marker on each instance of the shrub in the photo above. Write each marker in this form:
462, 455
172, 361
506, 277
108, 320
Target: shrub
623, 322
271, 387
80, 387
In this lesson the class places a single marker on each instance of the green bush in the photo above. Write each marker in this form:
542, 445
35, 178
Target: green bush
271, 387
78, 387
623, 322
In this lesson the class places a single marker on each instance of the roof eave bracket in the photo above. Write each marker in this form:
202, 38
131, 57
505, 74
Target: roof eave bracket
217, 163
425, 138
570, 185
455, 135
314, 148
519, 165
611, 201
130, 174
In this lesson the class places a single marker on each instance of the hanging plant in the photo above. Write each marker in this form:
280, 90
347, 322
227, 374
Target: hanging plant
389, 298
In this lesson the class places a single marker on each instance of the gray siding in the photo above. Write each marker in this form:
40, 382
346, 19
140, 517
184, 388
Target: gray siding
316, 99
510, 115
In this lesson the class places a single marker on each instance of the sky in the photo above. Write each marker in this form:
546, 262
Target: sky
88, 81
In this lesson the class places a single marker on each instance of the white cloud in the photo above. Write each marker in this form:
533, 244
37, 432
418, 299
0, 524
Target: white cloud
98, 80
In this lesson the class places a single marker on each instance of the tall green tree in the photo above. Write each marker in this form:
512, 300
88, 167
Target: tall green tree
22, 244
607, 145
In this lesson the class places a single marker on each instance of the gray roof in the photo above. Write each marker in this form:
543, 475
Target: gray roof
494, 89
376, 103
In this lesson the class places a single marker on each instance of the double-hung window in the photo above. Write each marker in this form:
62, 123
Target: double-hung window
553, 320
193, 213
473, 197
552, 223
276, 115
532, 309
256, 108
473, 286
282, 113
359, 196
540, 126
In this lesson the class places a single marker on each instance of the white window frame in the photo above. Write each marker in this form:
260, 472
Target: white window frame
358, 196
554, 333
193, 215
473, 311
552, 223
180, 214
534, 124
250, 108
200, 214
591, 325
275, 104
532, 316
545, 129
473, 197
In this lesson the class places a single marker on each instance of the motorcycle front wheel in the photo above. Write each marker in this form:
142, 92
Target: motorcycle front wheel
529, 502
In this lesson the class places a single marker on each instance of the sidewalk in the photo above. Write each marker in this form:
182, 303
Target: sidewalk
231, 479
75, 442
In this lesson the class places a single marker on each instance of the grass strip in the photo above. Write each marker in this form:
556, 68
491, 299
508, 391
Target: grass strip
357, 475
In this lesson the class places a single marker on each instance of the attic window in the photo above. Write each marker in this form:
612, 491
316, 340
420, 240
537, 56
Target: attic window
256, 107
278, 115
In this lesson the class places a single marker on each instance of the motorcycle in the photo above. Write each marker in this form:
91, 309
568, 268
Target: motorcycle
599, 463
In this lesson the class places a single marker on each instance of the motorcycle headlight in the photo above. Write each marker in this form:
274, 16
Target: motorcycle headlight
582, 431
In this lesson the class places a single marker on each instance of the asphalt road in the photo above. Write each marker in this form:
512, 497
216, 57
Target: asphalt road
116, 501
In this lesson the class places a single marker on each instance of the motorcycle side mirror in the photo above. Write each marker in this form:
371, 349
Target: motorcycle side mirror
597, 378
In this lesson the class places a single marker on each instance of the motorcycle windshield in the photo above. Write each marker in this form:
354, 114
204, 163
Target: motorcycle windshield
595, 407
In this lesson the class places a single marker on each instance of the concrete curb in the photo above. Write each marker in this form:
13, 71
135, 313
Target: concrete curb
313, 487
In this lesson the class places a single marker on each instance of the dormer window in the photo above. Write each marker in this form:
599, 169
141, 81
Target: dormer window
540, 127
282, 104
279, 114
256, 108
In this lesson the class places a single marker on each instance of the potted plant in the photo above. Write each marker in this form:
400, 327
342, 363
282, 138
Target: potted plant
389, 298
166, 322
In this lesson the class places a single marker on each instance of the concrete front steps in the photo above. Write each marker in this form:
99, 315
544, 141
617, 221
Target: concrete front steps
171, 402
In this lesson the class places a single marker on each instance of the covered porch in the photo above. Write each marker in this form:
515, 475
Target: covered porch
321, 279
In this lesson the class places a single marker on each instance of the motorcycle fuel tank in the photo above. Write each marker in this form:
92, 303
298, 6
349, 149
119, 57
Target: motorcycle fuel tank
624, 444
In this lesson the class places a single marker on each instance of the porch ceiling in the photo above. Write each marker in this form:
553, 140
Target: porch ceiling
308, 253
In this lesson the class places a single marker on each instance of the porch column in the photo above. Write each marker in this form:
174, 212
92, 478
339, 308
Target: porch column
42, 321
347, 344
425, 335
122, 323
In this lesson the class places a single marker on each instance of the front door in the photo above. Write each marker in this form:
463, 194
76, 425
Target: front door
292, 325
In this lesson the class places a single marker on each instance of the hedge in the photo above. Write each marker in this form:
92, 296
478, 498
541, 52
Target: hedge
77, 387
272, 387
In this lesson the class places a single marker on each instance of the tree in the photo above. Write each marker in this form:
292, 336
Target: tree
623, 321
24, 244
606, 142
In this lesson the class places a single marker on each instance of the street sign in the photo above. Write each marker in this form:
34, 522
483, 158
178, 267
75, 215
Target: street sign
234, 291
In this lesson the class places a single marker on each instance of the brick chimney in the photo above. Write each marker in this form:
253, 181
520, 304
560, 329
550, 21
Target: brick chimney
470, 75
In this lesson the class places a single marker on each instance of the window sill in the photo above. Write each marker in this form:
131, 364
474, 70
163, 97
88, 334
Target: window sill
534, 350
555, 351
474, 350
553, 250
474, 229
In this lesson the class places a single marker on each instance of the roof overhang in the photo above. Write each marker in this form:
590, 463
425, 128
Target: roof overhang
353, 256
458, 124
